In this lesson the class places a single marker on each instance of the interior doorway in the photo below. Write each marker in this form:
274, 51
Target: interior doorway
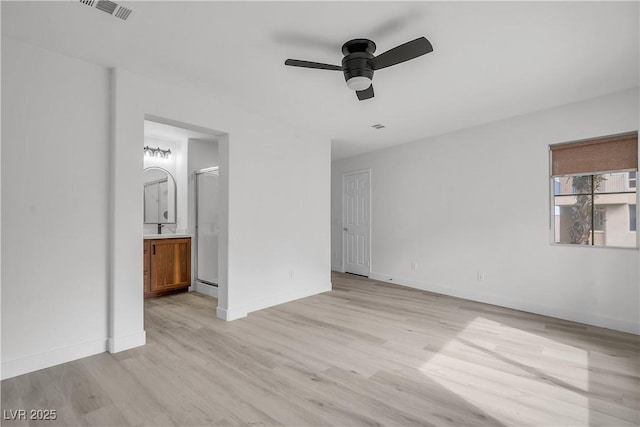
191, 156
356, 222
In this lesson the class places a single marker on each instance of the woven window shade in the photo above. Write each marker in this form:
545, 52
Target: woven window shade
610, 153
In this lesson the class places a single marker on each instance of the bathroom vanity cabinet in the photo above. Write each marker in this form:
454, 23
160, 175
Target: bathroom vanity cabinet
167, 265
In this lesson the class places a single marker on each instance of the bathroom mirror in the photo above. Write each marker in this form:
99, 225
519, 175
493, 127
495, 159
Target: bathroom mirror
159, 196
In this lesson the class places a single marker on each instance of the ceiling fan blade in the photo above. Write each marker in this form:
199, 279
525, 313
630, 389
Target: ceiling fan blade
309, 64
365, 94
402, 53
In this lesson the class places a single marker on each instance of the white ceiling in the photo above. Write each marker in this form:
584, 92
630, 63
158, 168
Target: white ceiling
491, 60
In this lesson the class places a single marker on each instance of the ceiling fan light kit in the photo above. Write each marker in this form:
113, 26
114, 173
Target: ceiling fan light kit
359, 63
358, 83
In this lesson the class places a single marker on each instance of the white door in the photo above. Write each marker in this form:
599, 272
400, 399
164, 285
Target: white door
355, 223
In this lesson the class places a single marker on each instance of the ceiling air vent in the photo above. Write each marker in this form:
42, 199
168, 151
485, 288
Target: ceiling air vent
123, 13
378, 126
106, 6
110, 7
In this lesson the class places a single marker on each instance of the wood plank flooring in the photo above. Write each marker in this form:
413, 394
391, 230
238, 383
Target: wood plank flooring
366, 353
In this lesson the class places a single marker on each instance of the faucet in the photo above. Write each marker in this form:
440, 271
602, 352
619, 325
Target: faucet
160, 228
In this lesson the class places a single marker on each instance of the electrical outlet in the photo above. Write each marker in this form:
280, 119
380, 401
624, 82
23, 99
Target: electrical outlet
290, 274
480, 276
414, 266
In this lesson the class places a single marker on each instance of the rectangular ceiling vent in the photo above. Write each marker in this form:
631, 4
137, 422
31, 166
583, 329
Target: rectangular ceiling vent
123, 13
110, 7
106, 6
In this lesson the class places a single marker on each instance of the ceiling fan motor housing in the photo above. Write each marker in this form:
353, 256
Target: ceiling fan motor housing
358, 53
357, 65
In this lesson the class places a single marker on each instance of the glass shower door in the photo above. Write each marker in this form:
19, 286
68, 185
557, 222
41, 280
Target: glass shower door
207, 226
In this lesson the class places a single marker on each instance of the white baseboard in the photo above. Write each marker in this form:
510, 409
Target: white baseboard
282, 298
23, 365
232, 313
203, 288
122, 343
559, 313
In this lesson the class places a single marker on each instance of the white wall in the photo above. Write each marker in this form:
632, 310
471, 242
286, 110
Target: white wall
478, 200
72, 206
202, 154
55, 154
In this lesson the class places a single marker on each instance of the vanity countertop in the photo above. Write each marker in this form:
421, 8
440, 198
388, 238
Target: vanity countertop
166, 236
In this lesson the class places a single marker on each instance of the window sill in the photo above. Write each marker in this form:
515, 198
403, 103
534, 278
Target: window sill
569, 245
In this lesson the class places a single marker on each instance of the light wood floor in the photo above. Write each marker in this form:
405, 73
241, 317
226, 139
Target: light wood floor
367, 353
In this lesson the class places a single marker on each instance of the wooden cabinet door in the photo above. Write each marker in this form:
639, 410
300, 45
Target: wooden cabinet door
147, 266
170, 264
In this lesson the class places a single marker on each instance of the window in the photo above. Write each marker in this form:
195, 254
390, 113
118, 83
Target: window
594, 191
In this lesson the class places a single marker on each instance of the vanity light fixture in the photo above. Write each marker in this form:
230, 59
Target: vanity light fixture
157, 152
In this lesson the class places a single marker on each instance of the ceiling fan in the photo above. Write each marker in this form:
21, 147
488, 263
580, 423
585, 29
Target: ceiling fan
359, 63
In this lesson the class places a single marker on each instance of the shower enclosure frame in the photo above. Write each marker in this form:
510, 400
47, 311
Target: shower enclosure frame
196, 234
